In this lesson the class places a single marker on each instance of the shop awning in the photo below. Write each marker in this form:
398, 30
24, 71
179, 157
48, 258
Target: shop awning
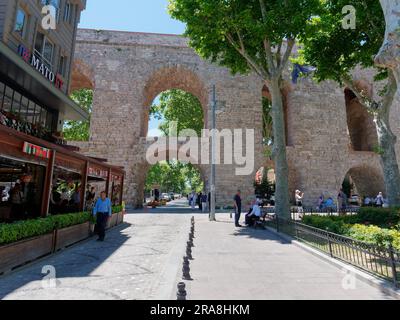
33, 84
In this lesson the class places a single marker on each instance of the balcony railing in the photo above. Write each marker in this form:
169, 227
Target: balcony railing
13, 121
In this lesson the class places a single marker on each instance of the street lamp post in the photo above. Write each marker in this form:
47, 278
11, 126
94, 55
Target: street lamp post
213, 156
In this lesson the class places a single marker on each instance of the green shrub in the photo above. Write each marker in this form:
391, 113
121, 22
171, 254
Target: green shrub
326, 223
375, 235
68, 220
385, 218
17, 231
21, 230
117, 209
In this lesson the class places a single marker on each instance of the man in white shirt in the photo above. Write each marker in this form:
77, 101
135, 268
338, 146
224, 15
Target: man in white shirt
255, 215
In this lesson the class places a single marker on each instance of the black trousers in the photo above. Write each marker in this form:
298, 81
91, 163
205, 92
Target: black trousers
101, 224
237, 216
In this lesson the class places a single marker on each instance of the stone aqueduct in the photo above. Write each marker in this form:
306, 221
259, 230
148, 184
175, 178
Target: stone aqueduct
329, 135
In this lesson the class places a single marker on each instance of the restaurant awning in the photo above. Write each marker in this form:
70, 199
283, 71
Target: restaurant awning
32, 83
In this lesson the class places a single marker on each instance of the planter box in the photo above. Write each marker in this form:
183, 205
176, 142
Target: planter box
120, 218
69, 236
112, 222
22, 252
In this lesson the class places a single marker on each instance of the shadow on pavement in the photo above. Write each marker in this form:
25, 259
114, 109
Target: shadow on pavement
259, 234
77, 261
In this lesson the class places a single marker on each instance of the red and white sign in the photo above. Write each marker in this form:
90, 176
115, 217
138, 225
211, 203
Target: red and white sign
36, 151
99, 173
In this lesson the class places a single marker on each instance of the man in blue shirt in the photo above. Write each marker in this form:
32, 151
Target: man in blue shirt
102, 211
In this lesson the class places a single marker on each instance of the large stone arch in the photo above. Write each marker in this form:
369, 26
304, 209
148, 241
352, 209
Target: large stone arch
173, 77
368, 180
83, 76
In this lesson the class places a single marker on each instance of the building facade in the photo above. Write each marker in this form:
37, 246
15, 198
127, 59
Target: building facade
39, 173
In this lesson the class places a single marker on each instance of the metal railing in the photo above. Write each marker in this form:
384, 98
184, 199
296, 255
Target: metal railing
312, 211
381, 261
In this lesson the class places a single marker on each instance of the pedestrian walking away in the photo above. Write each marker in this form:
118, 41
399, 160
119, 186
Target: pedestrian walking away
238, 208
102, 211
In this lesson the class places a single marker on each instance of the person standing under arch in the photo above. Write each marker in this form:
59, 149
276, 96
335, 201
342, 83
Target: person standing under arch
299, 203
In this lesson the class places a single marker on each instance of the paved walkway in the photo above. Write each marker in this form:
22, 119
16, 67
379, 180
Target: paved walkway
247, 264
142, 259
138, 260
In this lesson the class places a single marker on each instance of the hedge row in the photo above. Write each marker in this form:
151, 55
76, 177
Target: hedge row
375, 235
21, 230
371, 225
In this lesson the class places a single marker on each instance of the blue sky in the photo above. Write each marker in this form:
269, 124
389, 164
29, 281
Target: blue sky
131, 15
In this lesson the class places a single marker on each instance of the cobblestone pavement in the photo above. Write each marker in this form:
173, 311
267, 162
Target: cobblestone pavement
248, 264
139, 260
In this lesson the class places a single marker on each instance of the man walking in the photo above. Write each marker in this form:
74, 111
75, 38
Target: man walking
103, 211
238, 208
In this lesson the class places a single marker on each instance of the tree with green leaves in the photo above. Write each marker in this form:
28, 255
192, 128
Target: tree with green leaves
336, 53
174, 177
251, 36
79, 130
181, 107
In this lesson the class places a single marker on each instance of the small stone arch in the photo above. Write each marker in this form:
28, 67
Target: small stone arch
176, 77
361, 127
368, 180
83, 76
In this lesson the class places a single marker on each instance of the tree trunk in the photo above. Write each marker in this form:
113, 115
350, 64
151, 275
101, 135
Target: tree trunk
389, 55
387, 142
279, 151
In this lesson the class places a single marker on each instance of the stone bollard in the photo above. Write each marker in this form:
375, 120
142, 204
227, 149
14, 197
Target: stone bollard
190, 244
181, 295
191, 237
186, 269
189, 253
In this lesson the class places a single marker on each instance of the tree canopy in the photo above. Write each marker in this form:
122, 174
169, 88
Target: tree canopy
336, 52
181, 107
245, 35
174, 177
79, 130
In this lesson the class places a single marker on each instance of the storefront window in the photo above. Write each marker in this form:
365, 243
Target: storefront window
43, 117
116, 190
21, 189
30, 115
66, 191
23, 112
8, 95
16, 103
